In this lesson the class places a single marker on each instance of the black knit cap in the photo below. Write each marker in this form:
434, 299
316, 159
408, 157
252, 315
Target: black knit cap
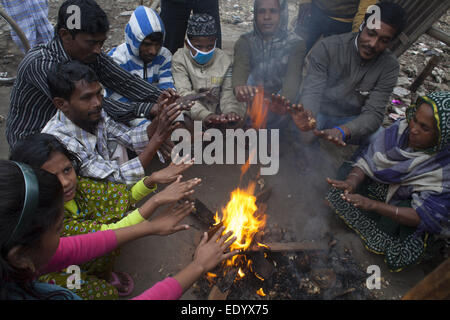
201, 25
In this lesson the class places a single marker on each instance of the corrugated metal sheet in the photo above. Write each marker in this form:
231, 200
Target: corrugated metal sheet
422, 14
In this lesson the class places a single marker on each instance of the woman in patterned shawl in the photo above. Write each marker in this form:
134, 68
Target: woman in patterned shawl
91, 205
397, 196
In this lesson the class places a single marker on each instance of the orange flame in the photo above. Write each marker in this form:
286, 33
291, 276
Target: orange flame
258, 112
246, 166
240, 216
260, 292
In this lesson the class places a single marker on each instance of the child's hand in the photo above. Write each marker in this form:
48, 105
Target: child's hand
167, 222
177, 190
210, 252
171, 172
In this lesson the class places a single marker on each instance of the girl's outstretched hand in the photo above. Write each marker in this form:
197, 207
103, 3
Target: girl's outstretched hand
210, 252
167, 222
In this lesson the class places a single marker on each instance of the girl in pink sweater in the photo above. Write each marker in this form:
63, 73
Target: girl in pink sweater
31, 218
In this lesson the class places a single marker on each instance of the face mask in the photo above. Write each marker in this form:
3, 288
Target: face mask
201, 57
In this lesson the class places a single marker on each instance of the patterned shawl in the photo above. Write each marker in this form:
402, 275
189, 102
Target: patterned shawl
424, 174
269, 59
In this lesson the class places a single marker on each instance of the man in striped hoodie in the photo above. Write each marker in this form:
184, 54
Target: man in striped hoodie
142, 53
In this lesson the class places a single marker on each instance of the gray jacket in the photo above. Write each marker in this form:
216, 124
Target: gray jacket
340, 83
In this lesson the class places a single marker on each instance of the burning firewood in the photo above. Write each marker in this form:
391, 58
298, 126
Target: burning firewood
203, 214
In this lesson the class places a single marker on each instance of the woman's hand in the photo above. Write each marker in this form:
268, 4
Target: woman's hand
347, 186
210, 252
171, 172
167, 222
360, 201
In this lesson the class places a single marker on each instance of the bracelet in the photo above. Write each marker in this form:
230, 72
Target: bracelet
354, 174
342, 131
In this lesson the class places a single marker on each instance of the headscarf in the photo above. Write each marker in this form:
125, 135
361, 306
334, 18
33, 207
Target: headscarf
424, 175
269, 59
440, 102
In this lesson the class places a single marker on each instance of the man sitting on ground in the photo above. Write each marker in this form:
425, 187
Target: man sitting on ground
85, 129
200, 67
31, 105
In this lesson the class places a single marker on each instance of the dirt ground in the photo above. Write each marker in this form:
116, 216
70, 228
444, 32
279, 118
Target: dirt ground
296, 204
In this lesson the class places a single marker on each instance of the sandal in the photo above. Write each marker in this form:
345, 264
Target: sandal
116, 283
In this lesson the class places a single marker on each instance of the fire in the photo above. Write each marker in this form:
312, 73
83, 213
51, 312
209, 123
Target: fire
260, 292
258, 111
240, 216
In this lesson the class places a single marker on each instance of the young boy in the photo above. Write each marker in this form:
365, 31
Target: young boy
142, 54
201, 67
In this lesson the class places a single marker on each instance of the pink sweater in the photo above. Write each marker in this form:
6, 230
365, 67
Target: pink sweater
77, 250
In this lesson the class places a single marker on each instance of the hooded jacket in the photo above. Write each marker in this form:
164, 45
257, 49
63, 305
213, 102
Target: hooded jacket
143, 22
276, 64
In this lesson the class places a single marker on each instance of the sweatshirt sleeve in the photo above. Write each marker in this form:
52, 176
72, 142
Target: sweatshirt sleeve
168, 289
293, 77
228, 101
372, 113
77, 250
241, 63
130, 220
139, 190
316, 78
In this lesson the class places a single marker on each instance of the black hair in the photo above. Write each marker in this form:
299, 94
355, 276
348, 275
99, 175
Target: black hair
18, 283
92, 18
61, 80
156, 37
391, 14
37, 149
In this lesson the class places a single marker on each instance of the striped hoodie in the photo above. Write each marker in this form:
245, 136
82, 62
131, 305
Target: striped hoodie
143, 22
